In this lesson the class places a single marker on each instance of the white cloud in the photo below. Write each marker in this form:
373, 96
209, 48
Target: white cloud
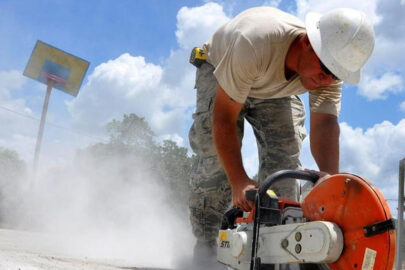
123, 85
393, 21
10, 81
175, 138
163, 94
402, 106
368, 7
388, 19
196, 25
19, 130
249, 151
373, 153
378, 88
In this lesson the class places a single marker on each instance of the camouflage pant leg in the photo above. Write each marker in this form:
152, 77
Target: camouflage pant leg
210, 191
278, 125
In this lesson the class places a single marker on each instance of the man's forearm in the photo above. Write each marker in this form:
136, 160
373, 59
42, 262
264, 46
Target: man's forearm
228, 149
324, 141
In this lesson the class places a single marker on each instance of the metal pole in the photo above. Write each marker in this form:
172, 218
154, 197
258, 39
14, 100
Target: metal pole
401, 179
41, 127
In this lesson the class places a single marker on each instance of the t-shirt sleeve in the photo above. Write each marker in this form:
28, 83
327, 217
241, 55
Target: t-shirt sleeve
326, 99
237, 69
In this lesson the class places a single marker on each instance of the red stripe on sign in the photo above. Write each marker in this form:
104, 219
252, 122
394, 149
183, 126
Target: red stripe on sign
53, 78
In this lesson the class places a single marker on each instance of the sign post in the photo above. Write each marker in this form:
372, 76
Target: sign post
400, 224
57, 69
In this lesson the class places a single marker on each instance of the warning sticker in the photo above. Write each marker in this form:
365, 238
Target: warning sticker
369, 259
223, 236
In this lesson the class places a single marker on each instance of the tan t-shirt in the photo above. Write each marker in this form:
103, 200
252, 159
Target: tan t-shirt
249, 52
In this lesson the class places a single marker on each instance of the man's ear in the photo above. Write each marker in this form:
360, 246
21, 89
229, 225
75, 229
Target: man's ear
306, 40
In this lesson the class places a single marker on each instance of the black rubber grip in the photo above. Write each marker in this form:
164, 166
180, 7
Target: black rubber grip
251, 194
286, 174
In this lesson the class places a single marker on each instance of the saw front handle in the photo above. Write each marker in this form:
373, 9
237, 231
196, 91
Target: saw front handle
277, 177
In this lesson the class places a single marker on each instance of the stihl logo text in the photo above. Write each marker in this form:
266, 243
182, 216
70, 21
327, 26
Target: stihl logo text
225, 244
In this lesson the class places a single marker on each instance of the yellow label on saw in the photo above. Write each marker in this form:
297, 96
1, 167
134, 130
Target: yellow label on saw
223, 236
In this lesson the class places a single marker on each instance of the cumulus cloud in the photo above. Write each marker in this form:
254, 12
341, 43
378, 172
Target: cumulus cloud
379, 88
19, 122
368, 7
379, 80
195, 25
249, 151
164, 94
118, 86
393, 21
373, 153
129, 84
389, 43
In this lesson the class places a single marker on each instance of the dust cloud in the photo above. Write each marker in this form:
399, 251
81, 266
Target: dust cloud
102, 211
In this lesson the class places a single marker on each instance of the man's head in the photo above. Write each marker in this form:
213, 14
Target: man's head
313, 73
343, 40
336, 46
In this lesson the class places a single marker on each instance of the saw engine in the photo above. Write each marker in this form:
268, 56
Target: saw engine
344, 222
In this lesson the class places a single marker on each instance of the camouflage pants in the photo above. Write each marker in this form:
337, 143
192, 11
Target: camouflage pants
278, 125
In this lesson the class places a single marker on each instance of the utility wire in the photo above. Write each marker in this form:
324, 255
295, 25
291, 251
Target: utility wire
76, 132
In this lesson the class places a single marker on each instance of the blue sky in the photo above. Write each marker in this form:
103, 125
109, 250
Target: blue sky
103, 31
138, 52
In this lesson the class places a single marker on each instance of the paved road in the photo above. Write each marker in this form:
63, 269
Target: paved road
21, 250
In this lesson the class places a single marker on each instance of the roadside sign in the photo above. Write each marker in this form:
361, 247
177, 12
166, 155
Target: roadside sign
57, 69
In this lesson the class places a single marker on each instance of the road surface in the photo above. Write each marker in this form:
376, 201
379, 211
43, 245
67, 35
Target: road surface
20, 250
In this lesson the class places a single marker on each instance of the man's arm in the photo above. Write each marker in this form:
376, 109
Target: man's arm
324, 139
224, 125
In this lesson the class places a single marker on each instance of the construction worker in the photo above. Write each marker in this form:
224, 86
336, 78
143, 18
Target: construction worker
257, 64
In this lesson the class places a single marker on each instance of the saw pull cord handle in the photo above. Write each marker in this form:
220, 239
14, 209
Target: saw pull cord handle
271, 180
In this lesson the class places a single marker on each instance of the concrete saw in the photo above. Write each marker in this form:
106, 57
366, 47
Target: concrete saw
344, 222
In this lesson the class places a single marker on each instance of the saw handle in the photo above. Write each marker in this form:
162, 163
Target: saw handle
279, 176
285, 174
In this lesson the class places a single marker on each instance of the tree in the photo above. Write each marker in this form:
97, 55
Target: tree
133, 150
176, 167
11, 167
132, 130
12, 174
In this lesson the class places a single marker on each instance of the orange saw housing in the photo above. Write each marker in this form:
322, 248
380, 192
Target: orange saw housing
355, 205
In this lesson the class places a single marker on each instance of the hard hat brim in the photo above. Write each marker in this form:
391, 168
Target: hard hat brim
315, 38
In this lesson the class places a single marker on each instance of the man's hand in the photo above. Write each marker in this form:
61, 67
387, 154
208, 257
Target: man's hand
308, 186
239, 194
322, 176
224, 121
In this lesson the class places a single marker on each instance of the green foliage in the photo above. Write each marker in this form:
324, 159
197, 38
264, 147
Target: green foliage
133, 151
12, 175
176, 167
11, 167
132, 130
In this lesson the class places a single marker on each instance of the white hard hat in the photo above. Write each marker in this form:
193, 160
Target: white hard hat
343, 39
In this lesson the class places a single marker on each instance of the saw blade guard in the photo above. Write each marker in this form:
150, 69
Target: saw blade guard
362, 213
